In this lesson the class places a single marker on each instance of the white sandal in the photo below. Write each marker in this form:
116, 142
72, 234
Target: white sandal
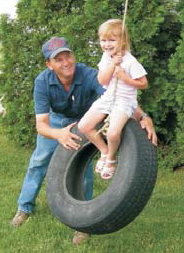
107, 171
100, 164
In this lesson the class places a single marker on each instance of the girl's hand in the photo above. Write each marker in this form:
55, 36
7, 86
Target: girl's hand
117, 59
120, 73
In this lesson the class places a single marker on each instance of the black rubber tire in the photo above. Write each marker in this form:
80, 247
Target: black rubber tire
126, 196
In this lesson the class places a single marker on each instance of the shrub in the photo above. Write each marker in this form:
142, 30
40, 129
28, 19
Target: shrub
154, 31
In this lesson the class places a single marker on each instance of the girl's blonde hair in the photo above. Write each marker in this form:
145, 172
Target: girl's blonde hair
115, 27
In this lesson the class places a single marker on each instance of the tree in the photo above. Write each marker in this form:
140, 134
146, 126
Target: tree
176, 68
151, 24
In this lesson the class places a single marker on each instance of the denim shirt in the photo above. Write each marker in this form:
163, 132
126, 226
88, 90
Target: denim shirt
49, 94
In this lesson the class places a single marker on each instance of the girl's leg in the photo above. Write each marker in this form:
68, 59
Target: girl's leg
117, 122
87, 126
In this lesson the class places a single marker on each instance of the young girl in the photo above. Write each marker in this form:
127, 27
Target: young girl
122, 75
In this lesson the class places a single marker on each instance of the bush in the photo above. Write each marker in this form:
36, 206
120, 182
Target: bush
155, 29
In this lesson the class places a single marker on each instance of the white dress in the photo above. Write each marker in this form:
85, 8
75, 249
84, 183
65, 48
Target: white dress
124, 97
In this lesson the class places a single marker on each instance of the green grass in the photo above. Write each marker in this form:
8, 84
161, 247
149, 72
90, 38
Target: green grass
158, 229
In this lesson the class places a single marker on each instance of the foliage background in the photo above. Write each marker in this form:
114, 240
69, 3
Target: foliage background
157, 37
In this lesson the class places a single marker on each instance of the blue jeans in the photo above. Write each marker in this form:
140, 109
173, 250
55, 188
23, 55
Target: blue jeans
38, 165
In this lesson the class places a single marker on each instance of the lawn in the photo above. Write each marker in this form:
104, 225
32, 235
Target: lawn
158, 229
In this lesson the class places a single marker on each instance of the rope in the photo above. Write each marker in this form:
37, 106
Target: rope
125, 14
105, 127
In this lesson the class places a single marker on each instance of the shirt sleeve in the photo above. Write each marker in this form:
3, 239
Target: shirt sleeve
41, 100
136, 70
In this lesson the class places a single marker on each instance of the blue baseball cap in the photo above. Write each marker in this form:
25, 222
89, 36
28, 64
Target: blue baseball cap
54, 46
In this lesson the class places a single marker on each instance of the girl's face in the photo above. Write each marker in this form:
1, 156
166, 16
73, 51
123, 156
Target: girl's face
109, 44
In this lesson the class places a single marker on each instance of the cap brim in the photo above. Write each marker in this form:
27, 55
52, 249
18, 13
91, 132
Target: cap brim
59, 50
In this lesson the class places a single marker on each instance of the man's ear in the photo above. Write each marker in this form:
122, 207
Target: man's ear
49, 65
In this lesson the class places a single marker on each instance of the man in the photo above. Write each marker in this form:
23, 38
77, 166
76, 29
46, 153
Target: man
63, 93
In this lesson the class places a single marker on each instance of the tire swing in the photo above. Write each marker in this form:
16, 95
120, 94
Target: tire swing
126, 196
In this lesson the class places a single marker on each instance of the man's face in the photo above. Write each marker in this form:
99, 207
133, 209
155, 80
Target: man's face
63, 64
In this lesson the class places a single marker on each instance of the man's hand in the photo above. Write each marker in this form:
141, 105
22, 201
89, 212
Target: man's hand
63, 135
67, 139
146, 123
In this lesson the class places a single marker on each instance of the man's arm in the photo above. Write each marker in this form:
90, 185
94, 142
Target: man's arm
146, 123
63, 135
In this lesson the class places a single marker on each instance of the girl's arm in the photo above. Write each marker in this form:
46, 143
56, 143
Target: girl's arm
104, 76
139, 83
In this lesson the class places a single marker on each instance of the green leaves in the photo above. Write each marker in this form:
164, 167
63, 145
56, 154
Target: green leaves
176, 67
156, 33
